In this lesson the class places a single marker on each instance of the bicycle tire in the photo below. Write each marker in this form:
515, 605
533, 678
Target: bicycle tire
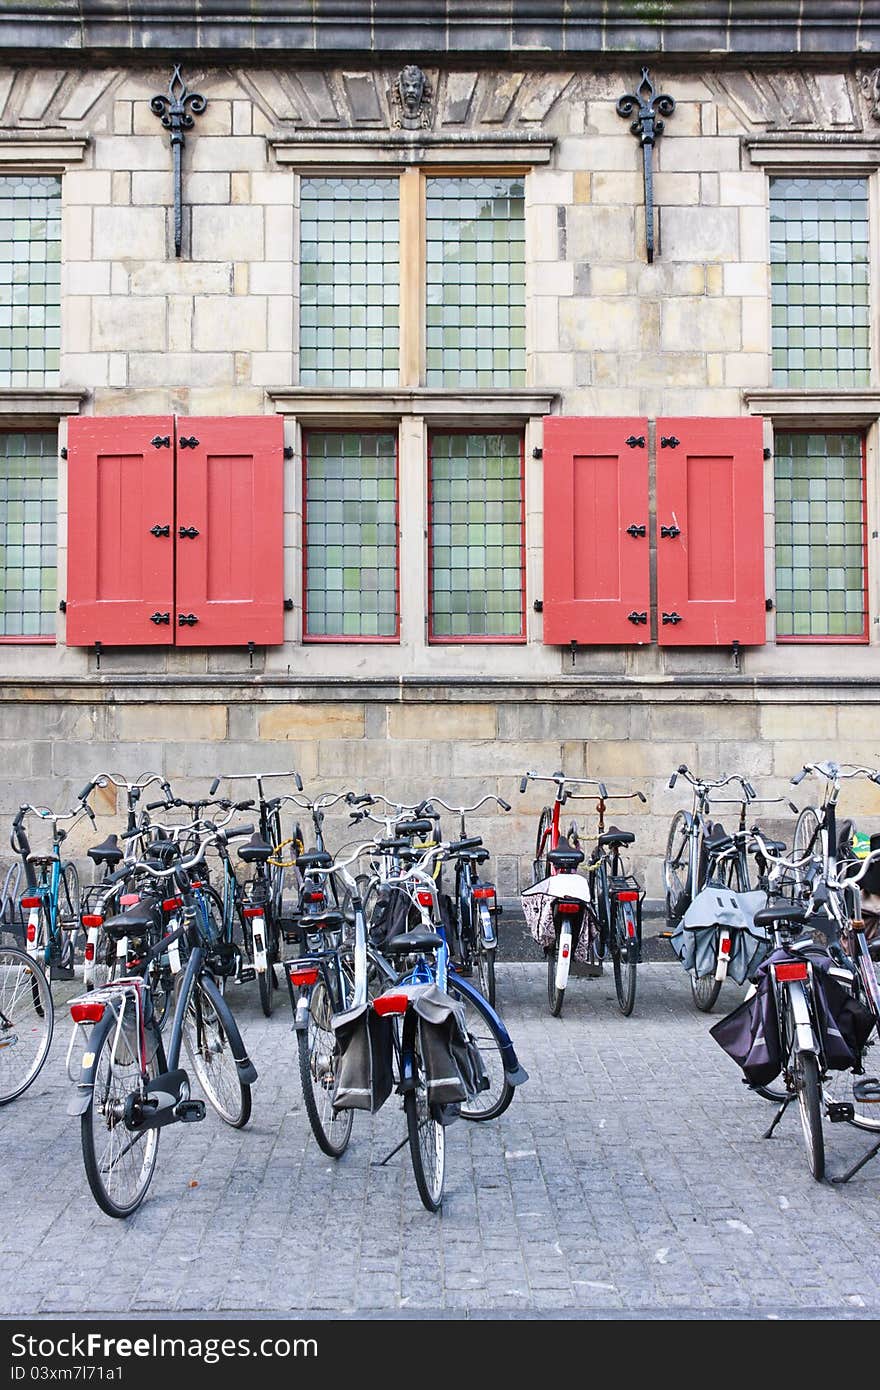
27, 1021
317, 1073
488, 1104
705, 990
677, 868
427, 1137
804, 840
555, 996
118, 1183
624, 963
541, 865
486, 974
210, 1034
69, 913
805, 1069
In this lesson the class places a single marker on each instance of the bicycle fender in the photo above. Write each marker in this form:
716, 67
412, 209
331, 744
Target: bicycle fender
301, 1016
247, 1072
80, 1100
563, 963
806, 1038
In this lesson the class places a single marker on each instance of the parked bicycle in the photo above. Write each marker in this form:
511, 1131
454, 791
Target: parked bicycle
27, 1018
52, 894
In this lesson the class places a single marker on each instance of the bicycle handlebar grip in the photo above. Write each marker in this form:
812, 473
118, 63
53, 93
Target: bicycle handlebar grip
799, 777
505, 805
603, 790
89, 787
238, 833
749, 790
214, 785
298, 781
642, 798
672, 781
156, 805
472, 842
414, 827
244, 805
523, 783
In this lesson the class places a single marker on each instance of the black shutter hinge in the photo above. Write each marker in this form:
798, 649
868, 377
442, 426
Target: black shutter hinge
64, 451
537, 453
161, 441
188, 441
669, 441
768, 453
186, 620
671, 618
538, 605
98, 650
158, 618
636, 441
288, 451
768, 605
251, 650
288, 605
62, 607
636, 617
635, 530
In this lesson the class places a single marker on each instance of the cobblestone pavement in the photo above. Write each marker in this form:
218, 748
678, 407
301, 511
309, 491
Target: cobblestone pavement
628, 1177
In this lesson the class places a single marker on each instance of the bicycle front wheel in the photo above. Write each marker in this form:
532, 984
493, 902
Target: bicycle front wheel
488, 1104
677, 868
486, 974
119, 1165
208, 1030
27, 1020
541, 866
69, 913
805, 841
427, 1137
318, 1062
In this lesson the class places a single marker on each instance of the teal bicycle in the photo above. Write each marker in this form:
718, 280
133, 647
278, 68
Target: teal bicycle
51, 898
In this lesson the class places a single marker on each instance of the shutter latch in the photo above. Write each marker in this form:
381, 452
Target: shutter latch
635, 617
186, 620
158, 530
670, 531
669, 441
635, 530
671, 618
158, 618
187, 531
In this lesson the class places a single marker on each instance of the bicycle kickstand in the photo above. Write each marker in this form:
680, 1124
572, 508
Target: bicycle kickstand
778, 1116
851, 1172
388, 1157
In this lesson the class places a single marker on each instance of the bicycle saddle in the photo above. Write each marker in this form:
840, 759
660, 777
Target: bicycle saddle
314, 859
322, 921
475, 856
780, 912
716, 837
133, 921
419, 939
774, 846
613, 836
256, 851
566, 858
108, 852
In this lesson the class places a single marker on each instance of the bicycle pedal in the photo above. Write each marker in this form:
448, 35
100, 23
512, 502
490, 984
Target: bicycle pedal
840, 1112
189, 1111
246, 974
867, 1091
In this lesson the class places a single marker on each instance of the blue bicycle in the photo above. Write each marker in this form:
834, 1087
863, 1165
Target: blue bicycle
51, 898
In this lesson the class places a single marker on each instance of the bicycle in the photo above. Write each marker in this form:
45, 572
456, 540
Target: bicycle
52, 895
559, 904
700, 854
616, 900
27, 1019
815, 843
129, 1087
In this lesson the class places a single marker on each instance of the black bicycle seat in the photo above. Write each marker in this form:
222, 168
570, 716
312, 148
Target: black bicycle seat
322, 921
419, 939
780, 912
716, 837
475, 856
256, 851
613, 836
314, 859
134, 921
108, 852
566, 858
774, 846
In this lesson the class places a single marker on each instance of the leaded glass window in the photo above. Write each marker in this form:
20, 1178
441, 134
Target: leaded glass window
349, 282
351, 535
819, 249
30, 280
28, 496
476, 535
475, 312
820, 535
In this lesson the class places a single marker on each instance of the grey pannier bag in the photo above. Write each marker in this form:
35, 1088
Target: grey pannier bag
363, 1077
454, 1069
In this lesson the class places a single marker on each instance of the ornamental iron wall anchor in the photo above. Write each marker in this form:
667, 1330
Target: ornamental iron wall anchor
646, 128
172, 112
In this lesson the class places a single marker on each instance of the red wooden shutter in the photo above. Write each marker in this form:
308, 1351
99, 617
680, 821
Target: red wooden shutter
710, 490
596, 573
120, 486
230, 488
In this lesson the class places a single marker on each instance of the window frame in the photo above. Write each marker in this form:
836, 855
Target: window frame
323, 639
44, 639
469, 639
862, 639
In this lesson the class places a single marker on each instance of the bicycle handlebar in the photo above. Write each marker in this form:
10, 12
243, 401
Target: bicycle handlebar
469, 810
834, 772
560, 780
254, 777
179, 865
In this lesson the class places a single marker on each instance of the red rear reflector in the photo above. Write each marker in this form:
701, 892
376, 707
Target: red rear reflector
725, 945
630, 928
569, 908
89, 952
391, 1004
171, 904
628, 896
313, 897
197, 883
32, 931
129, 899
791, 970
92, 919
253, 911
304, 975
484, 892
87, 1013
424, 899
30, 902
565, 952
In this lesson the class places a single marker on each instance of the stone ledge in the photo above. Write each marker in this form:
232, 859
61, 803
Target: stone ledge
824, 407
45, 153
398, 149
38, 404
395, 403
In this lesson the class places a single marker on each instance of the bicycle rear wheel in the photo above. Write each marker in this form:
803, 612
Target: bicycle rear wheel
624, 960
318, 1060
209, 1032
677, 868
488, 1104
427, 1137
705, 990
805, 1070
119, 1165
69, 914
806, 840
27, 1020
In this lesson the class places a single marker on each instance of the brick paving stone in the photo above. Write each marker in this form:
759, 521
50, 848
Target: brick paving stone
629, 1176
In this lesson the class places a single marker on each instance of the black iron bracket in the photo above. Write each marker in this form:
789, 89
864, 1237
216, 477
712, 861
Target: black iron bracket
172, 112
646, 127
98, 650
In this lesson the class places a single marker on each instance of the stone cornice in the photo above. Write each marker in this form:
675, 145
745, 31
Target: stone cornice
43, 152
390, 404
541, 29
781, 151
825, 408
34, 406
400, 149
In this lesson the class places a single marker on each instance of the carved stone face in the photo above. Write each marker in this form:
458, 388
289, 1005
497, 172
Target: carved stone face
411, 84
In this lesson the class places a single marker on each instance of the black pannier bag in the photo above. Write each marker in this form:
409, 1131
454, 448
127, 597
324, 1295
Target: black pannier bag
364, 1077
454, 1069
750, 1035
394, 913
